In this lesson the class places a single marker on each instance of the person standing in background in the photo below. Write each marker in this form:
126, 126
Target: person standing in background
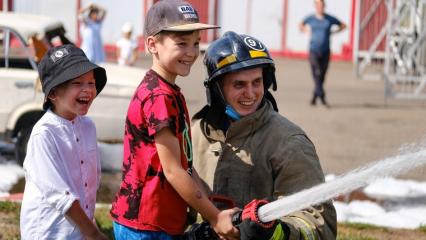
127, 48
319, 26
91, 18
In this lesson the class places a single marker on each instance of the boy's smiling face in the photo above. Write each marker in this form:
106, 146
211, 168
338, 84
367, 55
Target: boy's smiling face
174, 53
74, 97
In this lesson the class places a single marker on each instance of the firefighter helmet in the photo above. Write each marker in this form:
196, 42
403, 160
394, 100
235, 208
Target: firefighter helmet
233, 52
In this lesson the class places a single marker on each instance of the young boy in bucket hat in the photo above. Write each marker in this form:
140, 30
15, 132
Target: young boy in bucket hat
62, 165
158, 180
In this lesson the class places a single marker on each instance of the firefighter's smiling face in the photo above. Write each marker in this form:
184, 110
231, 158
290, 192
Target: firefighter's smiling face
243, 90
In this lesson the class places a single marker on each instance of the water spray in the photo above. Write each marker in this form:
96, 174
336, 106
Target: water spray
342, 184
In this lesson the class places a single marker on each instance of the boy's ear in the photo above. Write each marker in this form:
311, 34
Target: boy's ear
52, 95
150, 44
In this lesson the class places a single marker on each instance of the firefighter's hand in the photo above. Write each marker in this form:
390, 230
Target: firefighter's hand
223, 227
251, 227
251, 230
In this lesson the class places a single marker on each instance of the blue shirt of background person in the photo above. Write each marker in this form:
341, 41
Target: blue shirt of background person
321, 31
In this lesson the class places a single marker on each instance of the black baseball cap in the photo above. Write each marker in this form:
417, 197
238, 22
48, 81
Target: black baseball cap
63, 63
173, 15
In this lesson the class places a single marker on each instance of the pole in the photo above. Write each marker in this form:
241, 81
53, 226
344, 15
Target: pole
5, 5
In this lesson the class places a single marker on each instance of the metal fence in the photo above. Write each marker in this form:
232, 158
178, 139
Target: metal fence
391, 45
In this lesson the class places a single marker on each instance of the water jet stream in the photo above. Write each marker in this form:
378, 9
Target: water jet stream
342, 184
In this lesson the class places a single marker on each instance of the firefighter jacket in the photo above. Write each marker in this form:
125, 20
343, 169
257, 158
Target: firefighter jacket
263, 155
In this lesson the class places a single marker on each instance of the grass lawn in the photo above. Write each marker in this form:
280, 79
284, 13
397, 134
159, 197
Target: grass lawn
9, 223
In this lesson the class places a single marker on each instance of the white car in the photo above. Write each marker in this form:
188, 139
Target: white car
24, 38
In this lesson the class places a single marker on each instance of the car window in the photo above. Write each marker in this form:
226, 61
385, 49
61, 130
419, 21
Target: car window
14, 53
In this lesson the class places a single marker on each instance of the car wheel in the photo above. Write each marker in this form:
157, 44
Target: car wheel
21, 145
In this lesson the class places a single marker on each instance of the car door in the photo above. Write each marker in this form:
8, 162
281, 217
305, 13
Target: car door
18, 73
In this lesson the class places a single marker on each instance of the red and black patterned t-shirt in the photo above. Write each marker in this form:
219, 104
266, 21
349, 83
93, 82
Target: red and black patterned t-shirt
146, 200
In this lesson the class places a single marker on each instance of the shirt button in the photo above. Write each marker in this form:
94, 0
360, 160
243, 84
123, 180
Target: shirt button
85, 184
87, 206
81, 161
72, 122
78, 139
67, 193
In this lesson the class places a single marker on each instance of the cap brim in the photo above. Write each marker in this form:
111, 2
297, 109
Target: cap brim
190, 27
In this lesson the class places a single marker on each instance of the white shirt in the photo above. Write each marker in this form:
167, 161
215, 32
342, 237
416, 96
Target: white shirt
62, 165
126, 46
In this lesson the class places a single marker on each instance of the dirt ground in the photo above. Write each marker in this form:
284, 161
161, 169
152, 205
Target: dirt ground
358, 128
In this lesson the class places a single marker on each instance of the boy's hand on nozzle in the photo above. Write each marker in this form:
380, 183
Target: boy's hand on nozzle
224, 227
251, 230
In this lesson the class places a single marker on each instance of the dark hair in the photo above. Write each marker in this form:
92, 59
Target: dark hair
93, 10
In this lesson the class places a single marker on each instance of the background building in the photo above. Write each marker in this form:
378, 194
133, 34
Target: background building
275, 22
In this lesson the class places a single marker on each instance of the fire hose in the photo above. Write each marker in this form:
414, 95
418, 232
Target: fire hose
265, 213
204, 231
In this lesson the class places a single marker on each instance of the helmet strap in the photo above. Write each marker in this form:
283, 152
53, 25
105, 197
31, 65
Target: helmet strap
229, 110
209, 96
222, 97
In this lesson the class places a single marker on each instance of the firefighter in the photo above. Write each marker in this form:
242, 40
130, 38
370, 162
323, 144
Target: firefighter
244, 149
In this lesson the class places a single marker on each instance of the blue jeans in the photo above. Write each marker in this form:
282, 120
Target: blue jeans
125, 233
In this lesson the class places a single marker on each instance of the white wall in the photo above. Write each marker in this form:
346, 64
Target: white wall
232, 16
264, 21
119, 12
62, 10
299, 9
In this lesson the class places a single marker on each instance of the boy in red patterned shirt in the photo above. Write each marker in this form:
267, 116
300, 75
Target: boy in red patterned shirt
158, 179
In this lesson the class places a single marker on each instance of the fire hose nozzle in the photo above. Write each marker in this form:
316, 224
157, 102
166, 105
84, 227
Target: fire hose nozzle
250, 211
